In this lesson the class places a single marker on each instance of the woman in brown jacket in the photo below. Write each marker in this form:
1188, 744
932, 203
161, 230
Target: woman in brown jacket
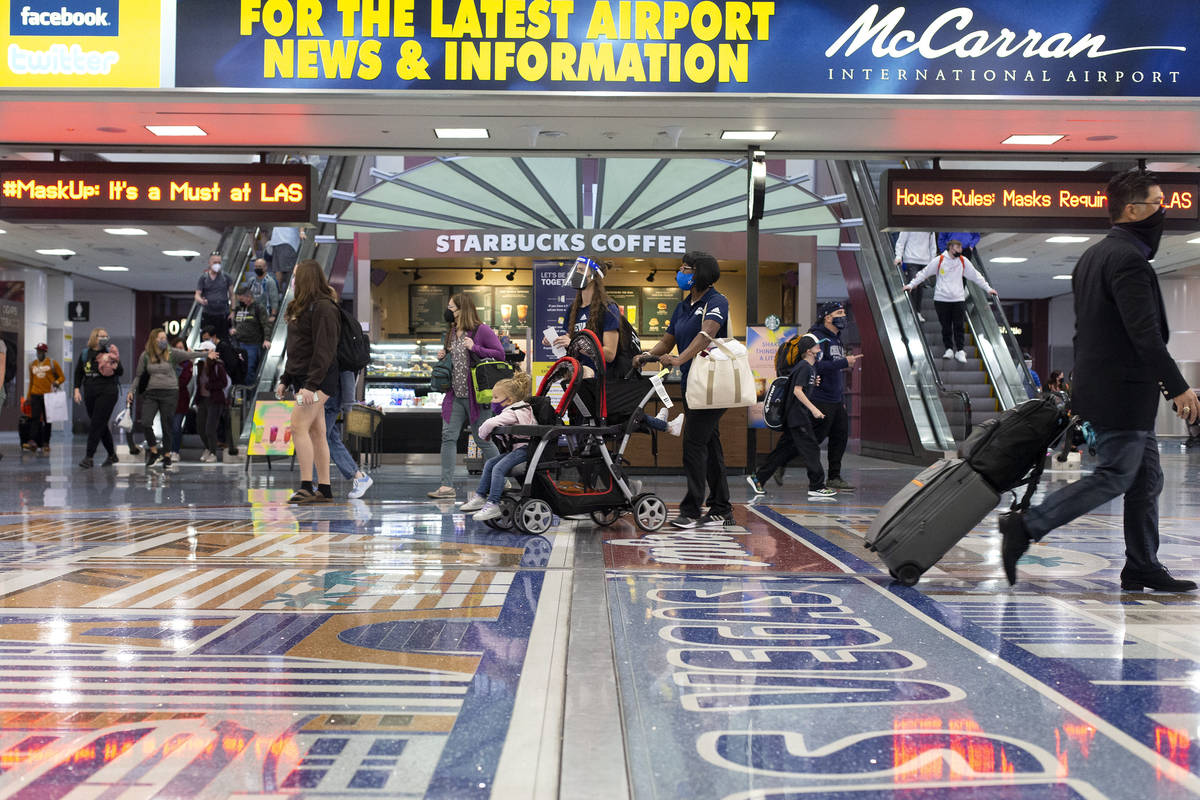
313, 322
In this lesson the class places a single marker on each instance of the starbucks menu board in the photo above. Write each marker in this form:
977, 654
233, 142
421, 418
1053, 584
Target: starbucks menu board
481, 296
513, 309
658, 304
426, 307
628, 300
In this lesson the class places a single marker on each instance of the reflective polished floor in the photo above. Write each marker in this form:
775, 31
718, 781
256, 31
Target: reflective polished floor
189, 635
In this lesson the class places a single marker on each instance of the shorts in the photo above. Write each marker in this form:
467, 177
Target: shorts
330, 384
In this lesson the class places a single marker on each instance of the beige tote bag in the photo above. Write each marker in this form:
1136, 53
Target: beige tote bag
720, 376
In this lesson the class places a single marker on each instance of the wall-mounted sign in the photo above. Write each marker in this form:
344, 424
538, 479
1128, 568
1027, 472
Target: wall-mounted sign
1058, 201
561, 243
79, 311
923, 47
481, 296
427, 308
189, 194
82, 44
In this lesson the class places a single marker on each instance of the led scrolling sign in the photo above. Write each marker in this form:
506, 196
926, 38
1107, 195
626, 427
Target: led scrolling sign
1056, 201
99, 191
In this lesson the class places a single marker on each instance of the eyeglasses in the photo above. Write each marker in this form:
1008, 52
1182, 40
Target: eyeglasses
1159, 202
684, 268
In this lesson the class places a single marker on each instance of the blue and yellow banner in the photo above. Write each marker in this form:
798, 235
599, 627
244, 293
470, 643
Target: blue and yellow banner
1019, 47
81, 44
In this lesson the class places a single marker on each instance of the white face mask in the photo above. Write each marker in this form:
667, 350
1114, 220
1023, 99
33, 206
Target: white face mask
216, 267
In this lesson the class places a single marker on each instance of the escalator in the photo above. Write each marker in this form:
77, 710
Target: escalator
927, 404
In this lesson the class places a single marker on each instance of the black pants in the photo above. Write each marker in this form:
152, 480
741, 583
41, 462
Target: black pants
208, 422
953, 317
836, 426
704, 463
918, 292
161, 402
39, 428
796, 440
99, 404
217, 320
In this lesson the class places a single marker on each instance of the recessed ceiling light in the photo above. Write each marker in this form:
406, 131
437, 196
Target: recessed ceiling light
1033, 138
461, 133
3, 231
180, 253
125, 231
1067, 239
1008, 260
749, 136
113, 269
497, 269
1194, 241
639, 259
56, 251
176, 130
1062, 277
410, 259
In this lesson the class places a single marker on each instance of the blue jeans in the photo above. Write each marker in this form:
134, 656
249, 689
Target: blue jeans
496, 469
344, 398
177, 432
459, 415
253, 354
1129, 466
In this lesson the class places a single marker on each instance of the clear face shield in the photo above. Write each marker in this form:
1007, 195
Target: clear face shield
582, 273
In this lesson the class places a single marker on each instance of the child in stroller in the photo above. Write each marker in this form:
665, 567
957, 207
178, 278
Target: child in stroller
574, 469
510, 406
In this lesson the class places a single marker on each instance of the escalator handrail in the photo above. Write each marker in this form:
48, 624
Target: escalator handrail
939, 383
1014, 347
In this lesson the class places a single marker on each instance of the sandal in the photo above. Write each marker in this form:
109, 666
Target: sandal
302, 496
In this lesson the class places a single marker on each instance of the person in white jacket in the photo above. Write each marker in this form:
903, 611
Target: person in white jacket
509, 407
915, 249
950, 295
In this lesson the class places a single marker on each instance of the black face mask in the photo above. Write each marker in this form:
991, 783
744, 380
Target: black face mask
1149, 231
448, 315
260, 272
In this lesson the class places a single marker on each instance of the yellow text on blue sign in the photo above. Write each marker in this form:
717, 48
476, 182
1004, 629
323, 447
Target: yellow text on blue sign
632, 41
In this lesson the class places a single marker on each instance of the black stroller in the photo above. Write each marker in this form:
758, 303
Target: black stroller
574, 464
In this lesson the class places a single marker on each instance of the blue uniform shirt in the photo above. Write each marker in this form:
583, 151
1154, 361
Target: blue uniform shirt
612, 322
688, 317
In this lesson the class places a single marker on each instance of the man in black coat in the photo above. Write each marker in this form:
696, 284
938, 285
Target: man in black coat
1121, 367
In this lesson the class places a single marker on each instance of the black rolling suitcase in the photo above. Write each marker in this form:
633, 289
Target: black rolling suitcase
941, 505
928, 516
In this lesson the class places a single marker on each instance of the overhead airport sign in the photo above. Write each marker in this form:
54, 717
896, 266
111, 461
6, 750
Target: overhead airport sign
100, 191
1019, 47
1056, 201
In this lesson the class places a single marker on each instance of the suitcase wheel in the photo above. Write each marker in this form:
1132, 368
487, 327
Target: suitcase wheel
907, 574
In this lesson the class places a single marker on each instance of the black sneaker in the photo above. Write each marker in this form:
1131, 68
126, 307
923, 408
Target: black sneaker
685, 522
134, 450
840, 484
86, 463
711, 520
166, 461
1014, 542
108, 462
755, 484
151, 456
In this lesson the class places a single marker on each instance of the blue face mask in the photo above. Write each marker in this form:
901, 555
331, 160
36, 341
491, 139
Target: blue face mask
839, 323
497, 408
684, 280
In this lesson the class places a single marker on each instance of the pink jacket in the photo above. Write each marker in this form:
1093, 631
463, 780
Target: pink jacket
517, 414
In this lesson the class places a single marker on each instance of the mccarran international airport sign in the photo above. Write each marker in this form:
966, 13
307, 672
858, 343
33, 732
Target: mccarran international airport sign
825, 47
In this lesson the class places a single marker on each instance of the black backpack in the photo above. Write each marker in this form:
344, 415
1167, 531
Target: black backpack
1003, 450
353, 349
775, 402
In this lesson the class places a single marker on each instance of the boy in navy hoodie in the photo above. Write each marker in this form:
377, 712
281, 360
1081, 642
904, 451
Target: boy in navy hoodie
829, 394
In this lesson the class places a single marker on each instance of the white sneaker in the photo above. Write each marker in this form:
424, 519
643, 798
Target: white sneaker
175, 457
662, 414
920, 317
961, 356
489, 511
675, 426
476, 502
949, 354
208, 457
822, 494
360, 486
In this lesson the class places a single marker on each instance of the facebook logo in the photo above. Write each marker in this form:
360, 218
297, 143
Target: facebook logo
64, 18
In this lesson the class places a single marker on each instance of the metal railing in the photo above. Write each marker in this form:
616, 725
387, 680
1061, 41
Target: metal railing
918, 384
999, 350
